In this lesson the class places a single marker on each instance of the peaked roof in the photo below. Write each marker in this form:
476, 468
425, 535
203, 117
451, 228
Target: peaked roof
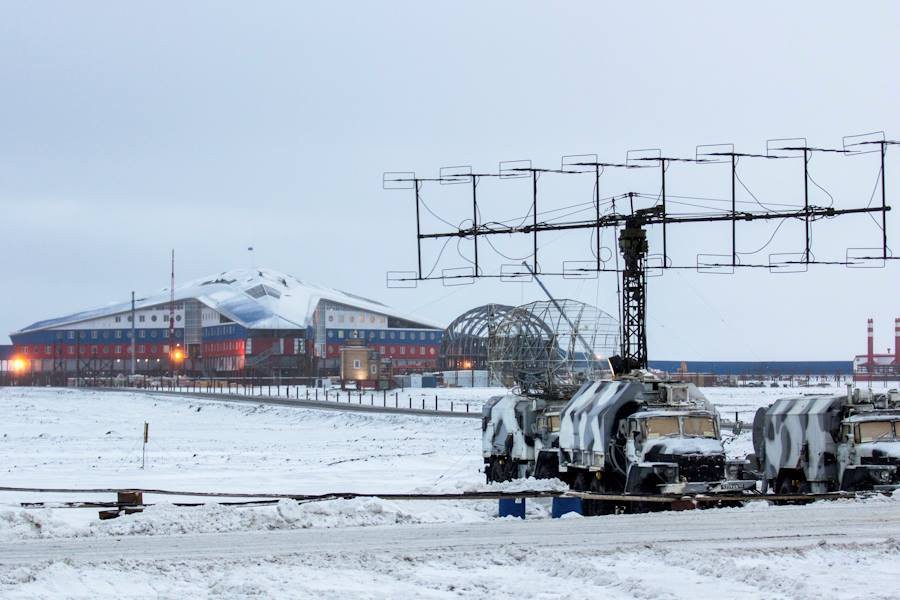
254, 298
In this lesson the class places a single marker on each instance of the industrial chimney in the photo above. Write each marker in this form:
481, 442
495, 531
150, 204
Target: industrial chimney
897, 340
870, 353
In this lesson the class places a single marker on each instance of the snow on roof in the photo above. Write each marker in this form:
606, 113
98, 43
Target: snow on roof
254, 298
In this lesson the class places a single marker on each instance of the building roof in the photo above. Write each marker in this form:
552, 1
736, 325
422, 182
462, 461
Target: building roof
253, 298
877, 359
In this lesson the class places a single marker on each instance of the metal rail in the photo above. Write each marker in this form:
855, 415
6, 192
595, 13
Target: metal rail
385, 408
480, 495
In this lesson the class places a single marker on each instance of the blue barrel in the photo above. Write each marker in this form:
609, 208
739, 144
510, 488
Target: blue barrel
512, 507
562, 506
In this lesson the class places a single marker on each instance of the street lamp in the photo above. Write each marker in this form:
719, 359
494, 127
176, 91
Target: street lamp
18, 366
176, 358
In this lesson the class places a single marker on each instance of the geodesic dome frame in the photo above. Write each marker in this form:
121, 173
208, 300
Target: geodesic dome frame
549, 347
465, 341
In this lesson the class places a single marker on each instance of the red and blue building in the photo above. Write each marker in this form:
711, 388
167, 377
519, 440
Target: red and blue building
237, 322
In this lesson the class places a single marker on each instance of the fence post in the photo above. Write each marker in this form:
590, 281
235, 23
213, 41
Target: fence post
435, 403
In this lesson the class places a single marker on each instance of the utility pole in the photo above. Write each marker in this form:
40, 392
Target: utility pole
172, 317
133, 340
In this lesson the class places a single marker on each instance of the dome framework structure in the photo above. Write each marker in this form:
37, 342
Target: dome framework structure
547, 348
466, 340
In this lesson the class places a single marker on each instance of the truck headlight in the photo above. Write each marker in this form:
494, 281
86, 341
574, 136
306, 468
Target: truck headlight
884, 475
668, 473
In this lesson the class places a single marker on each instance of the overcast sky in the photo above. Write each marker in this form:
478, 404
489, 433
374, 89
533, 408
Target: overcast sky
130, 128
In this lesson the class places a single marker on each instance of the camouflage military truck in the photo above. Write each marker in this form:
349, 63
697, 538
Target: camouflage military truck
634, 435
824, 443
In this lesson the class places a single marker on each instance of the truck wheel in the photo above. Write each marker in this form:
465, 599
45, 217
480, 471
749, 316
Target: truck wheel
546, 466
498, 470
791, 483
581, 485
601, 507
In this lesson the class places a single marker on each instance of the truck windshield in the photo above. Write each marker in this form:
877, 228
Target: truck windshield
553, 423
870, 431
656, 427
700, 427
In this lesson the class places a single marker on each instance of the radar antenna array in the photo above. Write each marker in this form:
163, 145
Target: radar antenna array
630, 224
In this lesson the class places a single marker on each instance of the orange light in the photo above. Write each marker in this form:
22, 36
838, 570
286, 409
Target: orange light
19, 365
178, 355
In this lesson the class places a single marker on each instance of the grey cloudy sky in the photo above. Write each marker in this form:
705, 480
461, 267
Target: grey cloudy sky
129, 128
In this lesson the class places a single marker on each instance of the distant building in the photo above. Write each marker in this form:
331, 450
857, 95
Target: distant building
6, 354
237, 322
870, 367
759, 369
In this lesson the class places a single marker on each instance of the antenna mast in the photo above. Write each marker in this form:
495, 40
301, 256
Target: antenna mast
172, 317
631, 225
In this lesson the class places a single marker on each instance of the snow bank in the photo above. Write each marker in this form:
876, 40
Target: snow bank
168, 519
529, 484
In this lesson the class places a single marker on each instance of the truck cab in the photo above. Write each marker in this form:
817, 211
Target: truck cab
868, 451
676, 452
825, 442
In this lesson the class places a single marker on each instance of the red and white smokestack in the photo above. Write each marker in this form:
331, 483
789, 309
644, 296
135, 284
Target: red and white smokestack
871, 348
897, 341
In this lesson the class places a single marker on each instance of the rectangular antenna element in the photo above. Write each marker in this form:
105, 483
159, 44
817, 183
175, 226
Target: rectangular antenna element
456, 175
458, 276
645, 157
788, 262
578, 163
515, 169
580, 269
715, 264
865, 258
863, 143
402, 279
653, 265
514, 273
398, 180
785, 147
714, 153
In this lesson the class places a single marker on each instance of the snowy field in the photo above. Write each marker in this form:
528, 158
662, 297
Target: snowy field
369, 547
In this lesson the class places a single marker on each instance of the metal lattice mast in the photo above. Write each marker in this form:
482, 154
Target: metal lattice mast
634, 247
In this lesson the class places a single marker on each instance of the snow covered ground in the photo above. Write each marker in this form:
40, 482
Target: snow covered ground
371, 547
845, 550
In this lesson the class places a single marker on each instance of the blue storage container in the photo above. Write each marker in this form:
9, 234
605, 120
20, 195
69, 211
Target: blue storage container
562, 506
512, 507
